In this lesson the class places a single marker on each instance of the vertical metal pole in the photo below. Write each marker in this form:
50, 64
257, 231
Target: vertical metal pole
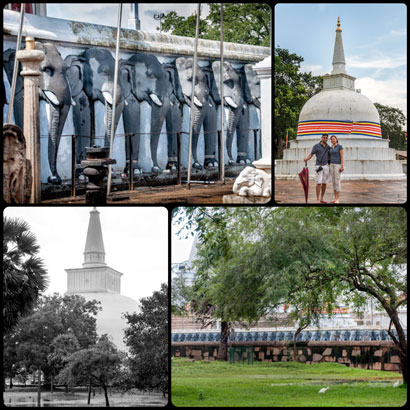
114, 103
179, 158
219, 155
193, 94
14, 80
222, 159
73, 153
255, 143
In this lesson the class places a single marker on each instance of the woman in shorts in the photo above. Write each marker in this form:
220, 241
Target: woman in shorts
336, 156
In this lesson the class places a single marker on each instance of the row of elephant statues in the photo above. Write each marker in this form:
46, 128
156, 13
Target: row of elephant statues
79, 81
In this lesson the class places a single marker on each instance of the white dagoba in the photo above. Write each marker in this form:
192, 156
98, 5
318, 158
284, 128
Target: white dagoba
338, 109
96, 280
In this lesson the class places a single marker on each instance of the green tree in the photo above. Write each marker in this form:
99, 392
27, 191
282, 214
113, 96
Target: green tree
147, 339
24, 274
99, 365
356, 254
392, 121
33, 338
244, 23
216, 293
292, 89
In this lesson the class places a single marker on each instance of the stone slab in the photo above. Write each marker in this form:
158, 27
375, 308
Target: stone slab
236, 199
353, 192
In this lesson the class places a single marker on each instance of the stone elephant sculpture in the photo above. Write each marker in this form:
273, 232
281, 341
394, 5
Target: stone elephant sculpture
54, 89
201, 104
91, 77
253, 182
174, 114
233, 99
150, 83
131, 114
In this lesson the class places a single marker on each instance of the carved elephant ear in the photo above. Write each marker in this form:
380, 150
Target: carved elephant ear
74, 66
126, 77
252, 85
8, 65
171, 68
213, 89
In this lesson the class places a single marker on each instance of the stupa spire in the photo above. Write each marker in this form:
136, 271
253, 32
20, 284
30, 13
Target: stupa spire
339, 62
94, 253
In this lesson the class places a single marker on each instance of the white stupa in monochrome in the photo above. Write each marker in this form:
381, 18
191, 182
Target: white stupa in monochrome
96, 280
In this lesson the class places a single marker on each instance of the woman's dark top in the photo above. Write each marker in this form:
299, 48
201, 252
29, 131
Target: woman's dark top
335, 154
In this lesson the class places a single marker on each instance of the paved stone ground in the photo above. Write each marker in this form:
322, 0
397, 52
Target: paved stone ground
353, 192
176, 194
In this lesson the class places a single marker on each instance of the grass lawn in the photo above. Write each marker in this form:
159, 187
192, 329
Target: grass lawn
281, 384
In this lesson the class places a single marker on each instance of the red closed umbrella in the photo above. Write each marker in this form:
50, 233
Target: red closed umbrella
304, 178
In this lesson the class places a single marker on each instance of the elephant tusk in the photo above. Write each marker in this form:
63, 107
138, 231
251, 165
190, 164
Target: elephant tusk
51, 97
197, 102
156, 100
73, 103
107, 97
231, 102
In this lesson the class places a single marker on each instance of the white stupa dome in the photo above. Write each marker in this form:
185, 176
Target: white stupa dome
344, 105
109, 319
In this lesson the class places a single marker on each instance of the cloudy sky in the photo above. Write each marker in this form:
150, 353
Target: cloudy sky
374, 41
135, 242
106, 13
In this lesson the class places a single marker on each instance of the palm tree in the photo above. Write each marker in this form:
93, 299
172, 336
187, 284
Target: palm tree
24, 274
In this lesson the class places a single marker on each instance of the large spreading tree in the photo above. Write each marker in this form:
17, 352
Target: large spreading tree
147, 340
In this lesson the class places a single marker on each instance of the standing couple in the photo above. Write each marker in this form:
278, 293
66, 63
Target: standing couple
329, 166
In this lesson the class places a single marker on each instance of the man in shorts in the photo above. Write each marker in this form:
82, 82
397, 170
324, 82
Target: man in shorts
322, 177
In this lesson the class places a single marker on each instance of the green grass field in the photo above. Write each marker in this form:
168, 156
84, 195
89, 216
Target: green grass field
281, 385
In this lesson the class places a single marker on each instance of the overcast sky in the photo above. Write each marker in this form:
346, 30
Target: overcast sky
374, 42
135, 242
106, 13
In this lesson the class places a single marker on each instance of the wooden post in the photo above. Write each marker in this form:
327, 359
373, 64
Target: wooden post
30, 60
73, 163
179, 179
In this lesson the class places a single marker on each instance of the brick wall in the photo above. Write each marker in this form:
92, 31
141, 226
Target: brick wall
376, 355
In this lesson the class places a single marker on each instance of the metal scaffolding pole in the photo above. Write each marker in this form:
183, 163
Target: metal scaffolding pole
222, 98
14, 80
193, 95
114, 104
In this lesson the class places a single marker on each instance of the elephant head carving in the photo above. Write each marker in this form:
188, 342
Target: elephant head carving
91, 76
149, 83
185, 67
233, 99
54, 89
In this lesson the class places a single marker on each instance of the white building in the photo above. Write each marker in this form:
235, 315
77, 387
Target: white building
96, 280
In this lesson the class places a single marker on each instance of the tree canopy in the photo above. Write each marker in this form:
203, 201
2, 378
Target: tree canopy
292, 89
147, 339
392, 121
244, 23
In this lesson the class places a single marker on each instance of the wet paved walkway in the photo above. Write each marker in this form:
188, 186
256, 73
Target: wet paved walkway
353, 192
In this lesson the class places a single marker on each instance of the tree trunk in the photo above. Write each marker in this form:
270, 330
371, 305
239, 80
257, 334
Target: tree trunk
107, 403
52, 384
11, 382
89, 393
400, 344
223, 344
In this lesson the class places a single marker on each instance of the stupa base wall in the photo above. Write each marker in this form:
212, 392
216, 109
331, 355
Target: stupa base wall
365, 158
